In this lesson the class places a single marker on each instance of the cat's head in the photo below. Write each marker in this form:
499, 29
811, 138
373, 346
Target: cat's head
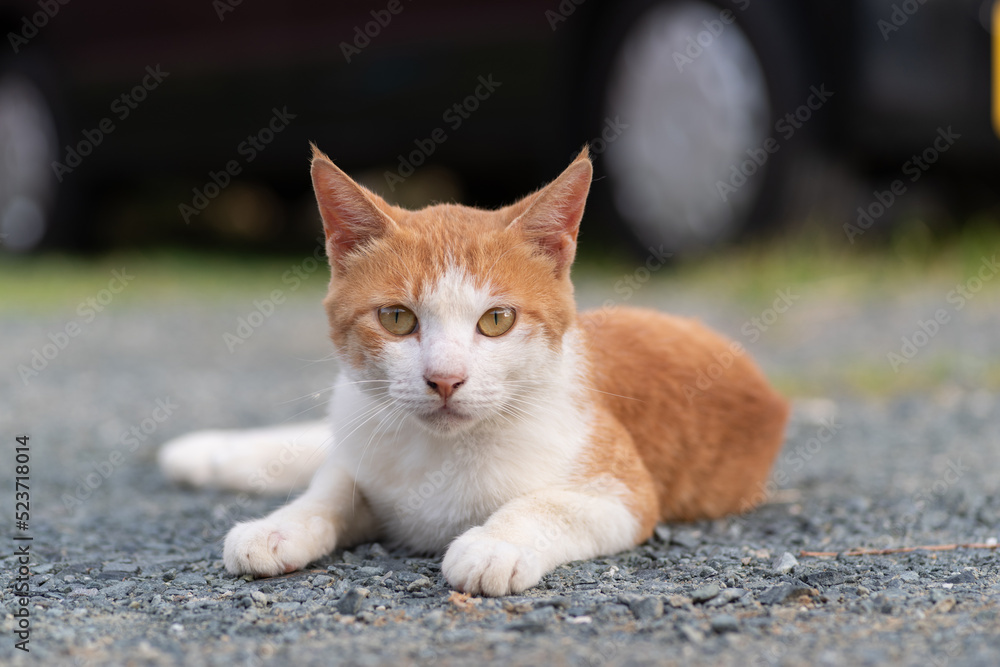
454, 313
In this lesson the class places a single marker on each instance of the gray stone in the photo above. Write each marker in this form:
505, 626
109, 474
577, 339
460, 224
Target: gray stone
419, 584
785, 563
705, 593
963, 577
689, 539
352, 601
783, 592
823, 578
119, 590
189, 579
724, 623
647, 608
321, 580
692, 633
122, 566
542, 615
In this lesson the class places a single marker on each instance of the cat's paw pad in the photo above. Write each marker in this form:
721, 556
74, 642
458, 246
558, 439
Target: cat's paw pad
263, 549
478, 564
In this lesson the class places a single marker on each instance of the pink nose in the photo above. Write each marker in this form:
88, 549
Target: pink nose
444, 386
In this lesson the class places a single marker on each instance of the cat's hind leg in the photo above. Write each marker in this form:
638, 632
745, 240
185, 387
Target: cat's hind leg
270, 460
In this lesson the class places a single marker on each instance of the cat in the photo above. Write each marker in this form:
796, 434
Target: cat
478, 415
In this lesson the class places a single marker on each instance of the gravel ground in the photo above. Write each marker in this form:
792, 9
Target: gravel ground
130, 571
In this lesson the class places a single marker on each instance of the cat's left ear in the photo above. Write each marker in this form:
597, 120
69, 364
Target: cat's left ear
552, 218
352, 215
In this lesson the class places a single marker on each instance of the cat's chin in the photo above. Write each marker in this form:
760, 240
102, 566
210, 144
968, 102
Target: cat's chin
446, 421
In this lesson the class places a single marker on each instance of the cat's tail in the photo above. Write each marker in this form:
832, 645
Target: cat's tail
271, 460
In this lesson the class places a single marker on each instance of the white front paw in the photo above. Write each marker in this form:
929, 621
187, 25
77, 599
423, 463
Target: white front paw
265, 548
478, 564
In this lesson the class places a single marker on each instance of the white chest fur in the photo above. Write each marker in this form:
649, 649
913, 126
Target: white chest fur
427, 488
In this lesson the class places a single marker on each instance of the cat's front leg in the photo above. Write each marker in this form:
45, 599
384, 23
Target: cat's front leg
331, 512
529, 536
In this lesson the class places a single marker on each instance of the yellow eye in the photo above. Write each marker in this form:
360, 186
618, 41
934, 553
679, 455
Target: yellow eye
398, 320
496, 321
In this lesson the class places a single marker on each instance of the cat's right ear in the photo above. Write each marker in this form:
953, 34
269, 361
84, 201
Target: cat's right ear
351, 213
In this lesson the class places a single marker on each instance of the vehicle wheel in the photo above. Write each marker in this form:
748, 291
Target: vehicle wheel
695, 88
29, 144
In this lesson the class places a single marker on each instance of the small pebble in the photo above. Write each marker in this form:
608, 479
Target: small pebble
724, 623
419, 584
785, 563
352, 600
647, 609
963, 577
705, 593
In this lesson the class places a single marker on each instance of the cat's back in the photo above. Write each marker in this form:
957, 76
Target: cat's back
703, 418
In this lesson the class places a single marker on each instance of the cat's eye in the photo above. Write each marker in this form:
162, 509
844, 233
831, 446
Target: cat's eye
398, 320
496, 321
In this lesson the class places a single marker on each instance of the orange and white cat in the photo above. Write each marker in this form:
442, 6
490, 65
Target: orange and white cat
479, 415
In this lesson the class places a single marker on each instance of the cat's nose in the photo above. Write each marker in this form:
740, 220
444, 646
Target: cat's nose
445, 386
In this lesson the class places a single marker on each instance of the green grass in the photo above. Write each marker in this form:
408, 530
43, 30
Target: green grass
876, 381
53, 282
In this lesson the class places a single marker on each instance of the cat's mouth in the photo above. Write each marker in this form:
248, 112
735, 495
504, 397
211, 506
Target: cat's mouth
446, 417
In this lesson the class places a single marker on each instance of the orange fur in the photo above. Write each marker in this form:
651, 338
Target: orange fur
705, 450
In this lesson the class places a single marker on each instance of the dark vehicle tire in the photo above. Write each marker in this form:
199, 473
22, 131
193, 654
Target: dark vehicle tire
695, 88
30, 196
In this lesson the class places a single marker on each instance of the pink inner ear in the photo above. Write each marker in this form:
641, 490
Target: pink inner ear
350, 216
552, 221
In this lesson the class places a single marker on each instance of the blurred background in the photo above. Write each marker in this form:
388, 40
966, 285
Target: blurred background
186, 124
